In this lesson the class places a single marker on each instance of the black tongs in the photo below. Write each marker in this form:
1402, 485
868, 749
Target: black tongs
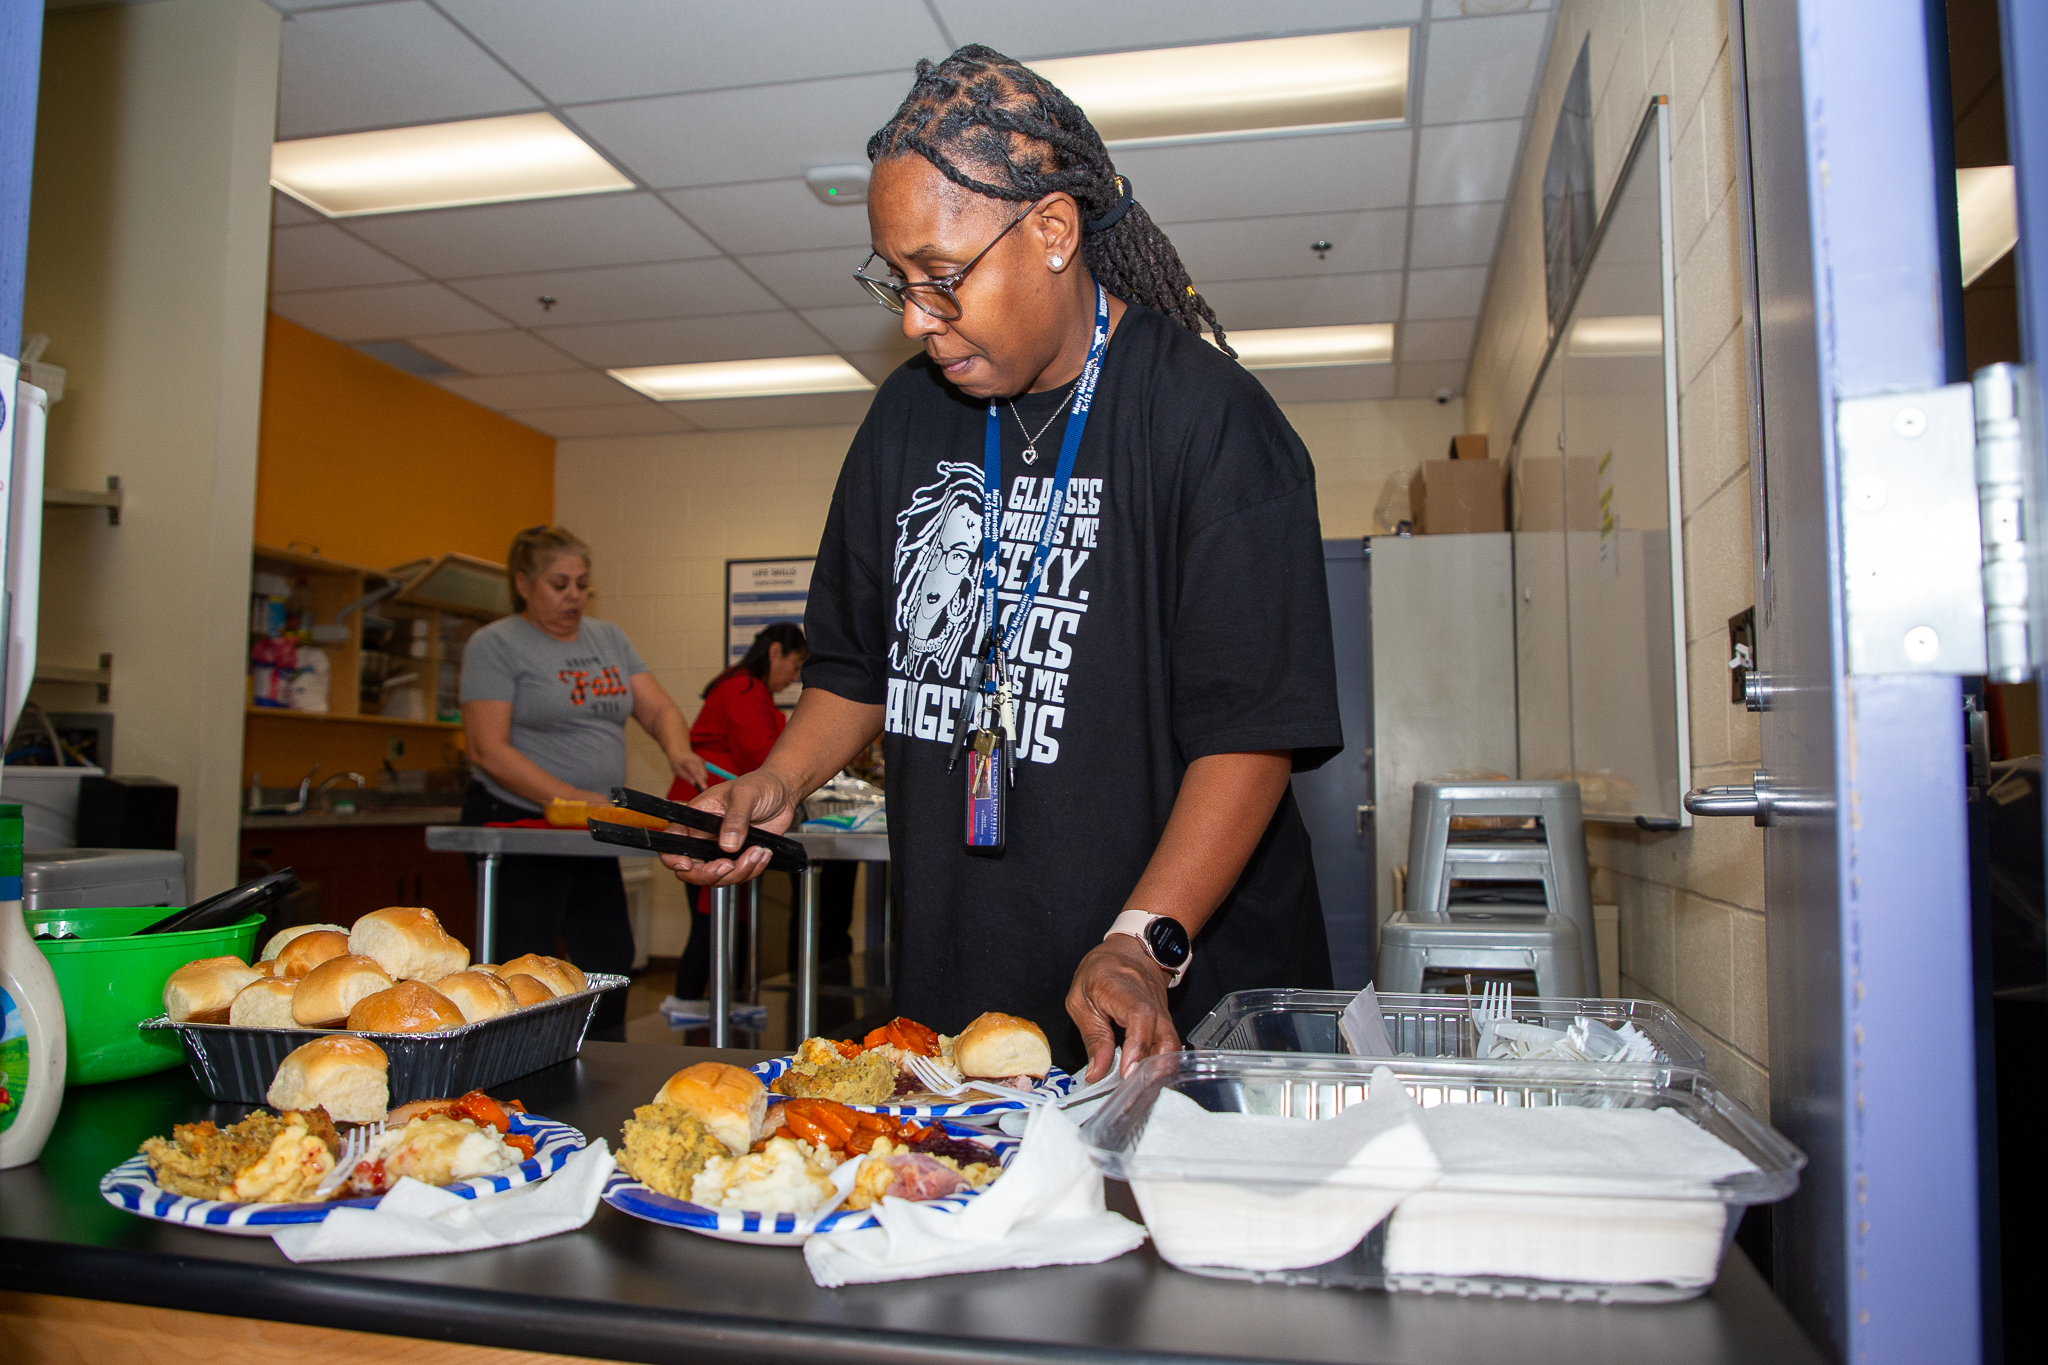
784, 854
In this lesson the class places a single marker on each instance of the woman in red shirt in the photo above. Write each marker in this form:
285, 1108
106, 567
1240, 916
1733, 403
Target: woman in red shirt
735, 730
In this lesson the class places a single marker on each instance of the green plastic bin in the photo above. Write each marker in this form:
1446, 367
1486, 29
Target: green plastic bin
111, 982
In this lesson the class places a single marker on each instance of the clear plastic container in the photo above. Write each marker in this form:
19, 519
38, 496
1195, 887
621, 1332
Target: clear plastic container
1422, 1025
1545, 1200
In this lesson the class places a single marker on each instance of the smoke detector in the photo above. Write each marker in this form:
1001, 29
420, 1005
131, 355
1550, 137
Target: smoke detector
846, 184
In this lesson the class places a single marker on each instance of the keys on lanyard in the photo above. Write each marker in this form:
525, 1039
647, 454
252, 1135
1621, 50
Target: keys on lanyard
991, 745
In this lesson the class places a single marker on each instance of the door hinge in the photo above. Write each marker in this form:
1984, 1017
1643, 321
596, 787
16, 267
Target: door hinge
1937, 563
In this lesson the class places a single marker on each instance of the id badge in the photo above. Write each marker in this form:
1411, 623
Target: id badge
988, 797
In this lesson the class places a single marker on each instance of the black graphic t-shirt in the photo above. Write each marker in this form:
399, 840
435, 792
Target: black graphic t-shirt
1183, 613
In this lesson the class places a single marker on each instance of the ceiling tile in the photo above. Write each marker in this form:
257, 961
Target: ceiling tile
1482, 68
385, 310
1446, 293
622, 293
773, 215
863, 327
384, 66
1057, 28
1454, 234
725, 136
645, 419
1447, 339
1315, 301
495, 352
1266, 248
1330, 384
286, 211
1250, 177
1457, 9
611, 49
810, 279
1423, 380
544, 234
683, 341
322, 256
796, 410
567, 389
1467, 162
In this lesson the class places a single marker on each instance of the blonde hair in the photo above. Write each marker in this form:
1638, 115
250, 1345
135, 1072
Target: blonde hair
533, 550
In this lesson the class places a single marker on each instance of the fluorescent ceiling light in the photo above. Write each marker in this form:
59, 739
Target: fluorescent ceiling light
1223, 88
440, 165
1308, 348
744, 378
1987, 213
1608, 338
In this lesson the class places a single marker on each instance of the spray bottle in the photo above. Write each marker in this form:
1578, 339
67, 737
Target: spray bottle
31, 1018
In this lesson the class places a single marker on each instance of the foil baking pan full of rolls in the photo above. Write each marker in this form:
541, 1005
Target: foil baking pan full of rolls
235, 1065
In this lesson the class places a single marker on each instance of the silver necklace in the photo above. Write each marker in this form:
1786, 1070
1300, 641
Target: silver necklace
1030, 441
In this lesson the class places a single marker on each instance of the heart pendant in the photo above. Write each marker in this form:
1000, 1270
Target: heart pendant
1030, 454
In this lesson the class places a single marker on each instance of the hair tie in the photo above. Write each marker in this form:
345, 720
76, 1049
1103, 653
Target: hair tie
1116, 210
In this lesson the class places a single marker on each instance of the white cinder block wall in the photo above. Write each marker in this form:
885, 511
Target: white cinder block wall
662, 514
1691, 902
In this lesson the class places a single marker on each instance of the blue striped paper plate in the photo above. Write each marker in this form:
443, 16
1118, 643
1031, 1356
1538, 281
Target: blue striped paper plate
1056, 1084
628, 1195
131, 1186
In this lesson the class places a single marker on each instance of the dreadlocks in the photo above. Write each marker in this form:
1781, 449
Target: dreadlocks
994, 126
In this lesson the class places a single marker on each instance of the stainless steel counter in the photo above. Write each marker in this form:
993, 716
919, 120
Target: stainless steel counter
361, 819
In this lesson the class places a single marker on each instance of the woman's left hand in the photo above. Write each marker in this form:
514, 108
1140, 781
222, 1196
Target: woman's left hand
1118, 984
690, 768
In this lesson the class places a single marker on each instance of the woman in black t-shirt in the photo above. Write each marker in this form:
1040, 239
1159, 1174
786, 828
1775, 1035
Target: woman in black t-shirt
1165, 640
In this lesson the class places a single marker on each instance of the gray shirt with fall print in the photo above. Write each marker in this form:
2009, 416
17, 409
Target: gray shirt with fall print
570, 698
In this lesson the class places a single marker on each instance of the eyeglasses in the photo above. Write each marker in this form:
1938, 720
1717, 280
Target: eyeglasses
935, 297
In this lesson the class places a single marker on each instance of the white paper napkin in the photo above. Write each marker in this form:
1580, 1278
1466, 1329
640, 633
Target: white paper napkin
1344, 1174
1047, 1209
1364, 1026
416, 1219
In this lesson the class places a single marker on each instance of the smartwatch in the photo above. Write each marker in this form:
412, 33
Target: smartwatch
1165, 939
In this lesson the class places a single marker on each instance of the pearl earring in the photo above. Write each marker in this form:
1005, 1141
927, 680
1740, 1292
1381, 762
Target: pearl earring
1056, 261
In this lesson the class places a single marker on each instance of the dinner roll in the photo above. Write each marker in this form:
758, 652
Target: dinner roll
728, 1100
201, 992
478, 994
546, 970
283, 936
996, 1046
572, 973
409, 943
264, 1004
408, 1007
347, 1076
528, 991
308, 951
328, 992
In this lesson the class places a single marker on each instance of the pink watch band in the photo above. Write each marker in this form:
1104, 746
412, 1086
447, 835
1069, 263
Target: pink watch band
1132, 923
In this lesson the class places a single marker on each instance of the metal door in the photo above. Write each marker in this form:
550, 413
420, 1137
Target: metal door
1862, 789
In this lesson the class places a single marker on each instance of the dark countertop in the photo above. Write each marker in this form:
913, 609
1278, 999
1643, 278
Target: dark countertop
625, 1289
361, 819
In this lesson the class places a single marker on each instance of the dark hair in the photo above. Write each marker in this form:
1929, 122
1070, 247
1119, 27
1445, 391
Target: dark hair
994, 126
533, 550
788, 634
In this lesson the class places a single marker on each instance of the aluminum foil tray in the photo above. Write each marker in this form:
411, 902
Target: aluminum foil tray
1418, 1025
236, 1065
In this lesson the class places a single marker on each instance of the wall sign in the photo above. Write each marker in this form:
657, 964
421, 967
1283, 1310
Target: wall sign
760, 592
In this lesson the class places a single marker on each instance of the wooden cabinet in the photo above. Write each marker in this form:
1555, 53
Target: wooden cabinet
344, 873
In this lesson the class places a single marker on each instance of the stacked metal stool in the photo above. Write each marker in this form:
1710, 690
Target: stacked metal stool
1473, 928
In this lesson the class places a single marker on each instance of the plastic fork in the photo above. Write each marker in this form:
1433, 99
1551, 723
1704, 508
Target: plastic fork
354, 1148
1497, 1006
934, 1080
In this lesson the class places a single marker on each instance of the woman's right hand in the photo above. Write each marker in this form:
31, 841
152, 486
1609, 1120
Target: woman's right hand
756, 798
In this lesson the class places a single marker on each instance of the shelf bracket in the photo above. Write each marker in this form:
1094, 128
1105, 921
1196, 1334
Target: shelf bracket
84, 497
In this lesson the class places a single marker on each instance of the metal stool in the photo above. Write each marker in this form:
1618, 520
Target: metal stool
1433, 929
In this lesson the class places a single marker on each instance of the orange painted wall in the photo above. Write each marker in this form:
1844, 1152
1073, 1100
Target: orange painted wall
376, 467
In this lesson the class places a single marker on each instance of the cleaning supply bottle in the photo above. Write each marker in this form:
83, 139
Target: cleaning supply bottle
31, 1018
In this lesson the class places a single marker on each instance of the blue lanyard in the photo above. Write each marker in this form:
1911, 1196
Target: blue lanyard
992, 495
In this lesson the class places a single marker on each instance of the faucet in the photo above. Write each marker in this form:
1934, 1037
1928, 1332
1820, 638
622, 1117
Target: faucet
305, 791
332, 778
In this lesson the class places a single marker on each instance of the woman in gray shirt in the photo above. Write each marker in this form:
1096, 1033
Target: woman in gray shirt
545, 698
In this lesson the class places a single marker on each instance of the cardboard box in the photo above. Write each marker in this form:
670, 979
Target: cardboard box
1459, 497
1470, 446
1557, 493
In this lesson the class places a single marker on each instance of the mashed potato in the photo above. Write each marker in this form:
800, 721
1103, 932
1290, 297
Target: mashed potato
442, 1150
785, 1176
